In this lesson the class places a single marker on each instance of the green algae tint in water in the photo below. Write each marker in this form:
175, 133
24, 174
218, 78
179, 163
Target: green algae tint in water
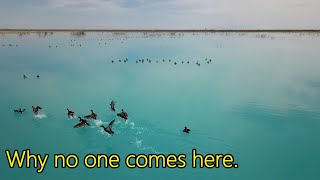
258, 99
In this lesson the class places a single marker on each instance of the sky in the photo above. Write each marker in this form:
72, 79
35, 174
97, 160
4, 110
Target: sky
160, 14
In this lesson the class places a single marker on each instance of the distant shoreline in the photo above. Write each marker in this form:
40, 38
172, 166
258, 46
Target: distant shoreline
163, 30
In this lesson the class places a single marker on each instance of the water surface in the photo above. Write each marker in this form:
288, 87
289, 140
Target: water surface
258, 100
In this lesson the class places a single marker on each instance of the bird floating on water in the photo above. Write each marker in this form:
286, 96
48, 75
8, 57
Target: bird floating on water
186, 130
112, 104
19, 110
70, 114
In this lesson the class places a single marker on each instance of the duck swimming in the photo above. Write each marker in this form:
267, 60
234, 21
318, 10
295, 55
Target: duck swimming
91, 116
24, 77
112, 104
109, 128
82, 123
123, 115
36, 109
186, 130
70, 113
19, 110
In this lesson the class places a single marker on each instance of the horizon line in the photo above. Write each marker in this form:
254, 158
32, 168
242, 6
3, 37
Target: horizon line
160, 30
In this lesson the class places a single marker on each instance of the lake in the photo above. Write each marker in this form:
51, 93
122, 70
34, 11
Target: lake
255, 96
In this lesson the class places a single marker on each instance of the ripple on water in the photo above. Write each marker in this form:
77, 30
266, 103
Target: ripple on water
73, 117
140, 146
124, 128
40, 116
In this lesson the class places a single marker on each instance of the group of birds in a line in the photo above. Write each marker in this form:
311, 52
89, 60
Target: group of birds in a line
11, 45
25, 77
80, 45
208, 61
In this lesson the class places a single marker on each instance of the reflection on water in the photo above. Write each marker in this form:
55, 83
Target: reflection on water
258, 99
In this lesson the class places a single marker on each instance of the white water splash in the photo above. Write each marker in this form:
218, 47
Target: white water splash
102, 132
72, 117
40, 116
98, 122
152, 149
132, 125
138, 143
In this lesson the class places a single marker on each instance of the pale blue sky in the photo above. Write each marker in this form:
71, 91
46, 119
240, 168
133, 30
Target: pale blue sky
161, 14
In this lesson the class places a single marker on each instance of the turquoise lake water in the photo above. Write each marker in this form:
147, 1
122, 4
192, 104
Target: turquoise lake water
258, 99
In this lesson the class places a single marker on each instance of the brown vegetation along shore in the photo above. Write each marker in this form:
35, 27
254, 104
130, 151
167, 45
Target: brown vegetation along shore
79, 31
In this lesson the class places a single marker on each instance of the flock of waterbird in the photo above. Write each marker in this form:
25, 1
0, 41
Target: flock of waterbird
84, 121
141, 61
93, 116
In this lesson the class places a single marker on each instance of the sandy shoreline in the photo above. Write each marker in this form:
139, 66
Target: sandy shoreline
16, 31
